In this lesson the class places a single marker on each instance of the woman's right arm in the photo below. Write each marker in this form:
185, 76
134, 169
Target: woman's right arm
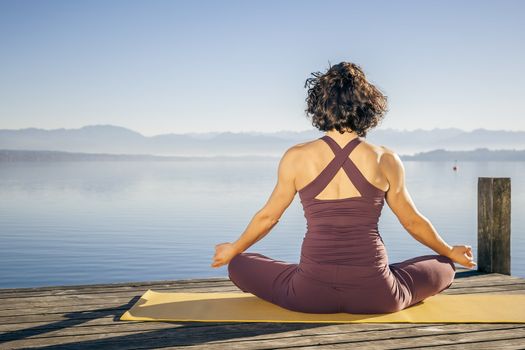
411, 219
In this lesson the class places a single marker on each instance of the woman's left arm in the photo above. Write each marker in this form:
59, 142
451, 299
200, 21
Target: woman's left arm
268, 216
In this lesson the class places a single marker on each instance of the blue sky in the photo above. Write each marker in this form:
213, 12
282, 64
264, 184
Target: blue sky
196, 66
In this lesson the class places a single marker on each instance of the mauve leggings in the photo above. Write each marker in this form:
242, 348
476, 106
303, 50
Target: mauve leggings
316, 288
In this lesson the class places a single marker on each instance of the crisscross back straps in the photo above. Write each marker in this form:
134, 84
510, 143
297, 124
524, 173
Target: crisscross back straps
341, 158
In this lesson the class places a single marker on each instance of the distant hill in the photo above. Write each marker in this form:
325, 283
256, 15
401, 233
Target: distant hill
481, 154
111, 139
59, 156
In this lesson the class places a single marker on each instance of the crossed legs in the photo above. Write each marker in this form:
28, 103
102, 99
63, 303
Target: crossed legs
281, 282
424, 275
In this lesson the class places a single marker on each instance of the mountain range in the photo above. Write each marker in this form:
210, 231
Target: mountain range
110, 139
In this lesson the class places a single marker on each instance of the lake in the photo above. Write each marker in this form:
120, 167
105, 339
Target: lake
65, 223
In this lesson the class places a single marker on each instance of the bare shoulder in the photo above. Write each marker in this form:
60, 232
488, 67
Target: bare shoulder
300, 150
389, 156
389, 160
293, 154
296, 156
371, 149
386, 157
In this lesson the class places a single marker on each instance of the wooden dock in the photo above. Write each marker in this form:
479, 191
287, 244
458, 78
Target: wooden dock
87, 317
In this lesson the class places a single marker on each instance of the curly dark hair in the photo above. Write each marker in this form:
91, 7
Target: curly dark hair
343, 99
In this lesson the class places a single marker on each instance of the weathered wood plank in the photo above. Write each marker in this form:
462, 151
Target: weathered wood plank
109, 324
192, 329
116, 284
264, 336
494, 224
501, 344
391, 339
115, 289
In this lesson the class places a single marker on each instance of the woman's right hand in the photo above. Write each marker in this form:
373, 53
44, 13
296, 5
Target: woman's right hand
462, 254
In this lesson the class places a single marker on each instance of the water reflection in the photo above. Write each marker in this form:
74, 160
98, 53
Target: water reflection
100, 222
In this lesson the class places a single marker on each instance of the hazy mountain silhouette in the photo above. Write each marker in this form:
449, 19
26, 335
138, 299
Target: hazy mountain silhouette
59, 156
480, 154
111, 139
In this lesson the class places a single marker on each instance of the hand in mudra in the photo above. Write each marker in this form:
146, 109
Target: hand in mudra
224, 252
462, 254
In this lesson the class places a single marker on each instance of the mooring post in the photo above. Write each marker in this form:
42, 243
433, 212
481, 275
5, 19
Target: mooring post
494, 225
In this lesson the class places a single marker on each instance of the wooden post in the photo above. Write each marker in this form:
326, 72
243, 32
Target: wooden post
494, 225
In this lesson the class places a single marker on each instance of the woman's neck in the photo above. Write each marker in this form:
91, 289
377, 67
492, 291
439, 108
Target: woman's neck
341, 138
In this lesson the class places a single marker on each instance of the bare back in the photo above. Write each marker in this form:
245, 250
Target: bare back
315, 155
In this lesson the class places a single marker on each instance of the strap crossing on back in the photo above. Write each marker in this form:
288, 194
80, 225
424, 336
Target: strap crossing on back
341, 159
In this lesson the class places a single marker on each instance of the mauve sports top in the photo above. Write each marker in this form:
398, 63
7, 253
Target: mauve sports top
343, 231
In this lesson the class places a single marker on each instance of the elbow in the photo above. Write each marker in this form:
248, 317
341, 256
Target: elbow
269, 219
419, 226
272, 221
412, 223
409, 227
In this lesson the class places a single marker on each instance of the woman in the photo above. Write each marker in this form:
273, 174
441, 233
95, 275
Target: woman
342, 181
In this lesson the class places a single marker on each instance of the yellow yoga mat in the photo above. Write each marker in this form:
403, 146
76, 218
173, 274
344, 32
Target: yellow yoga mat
246, 307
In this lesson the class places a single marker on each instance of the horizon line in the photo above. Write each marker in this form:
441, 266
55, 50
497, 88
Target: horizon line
248, 131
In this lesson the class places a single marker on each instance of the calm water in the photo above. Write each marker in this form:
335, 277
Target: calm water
102, 222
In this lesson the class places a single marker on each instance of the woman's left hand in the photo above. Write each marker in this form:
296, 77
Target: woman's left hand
224, 252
